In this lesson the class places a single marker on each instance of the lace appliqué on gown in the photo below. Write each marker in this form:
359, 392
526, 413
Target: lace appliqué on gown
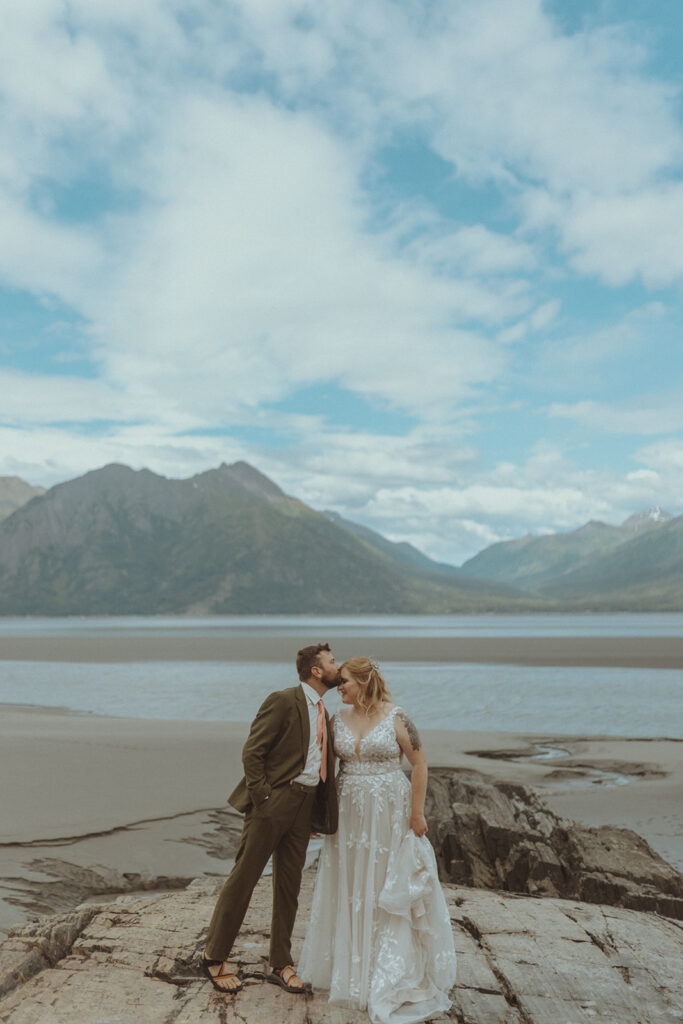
379, 935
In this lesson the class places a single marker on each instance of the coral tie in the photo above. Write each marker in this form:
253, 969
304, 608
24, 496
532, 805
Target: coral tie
321, 737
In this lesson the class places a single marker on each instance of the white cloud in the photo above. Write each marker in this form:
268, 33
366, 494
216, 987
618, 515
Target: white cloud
44, 256
619, 236
645, 476
57, 88
256, 261
48, 455
517, 100
556, 504
250, 270
539, 320
505, 91
666, 456
32, 398
662, 415
545, 315
253, 275
454, 514
634, 334
473, 251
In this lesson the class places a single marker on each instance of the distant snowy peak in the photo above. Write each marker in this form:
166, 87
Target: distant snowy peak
644, 520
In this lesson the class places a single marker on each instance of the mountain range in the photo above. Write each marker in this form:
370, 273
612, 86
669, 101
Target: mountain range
122, 541
119, 541
635, 566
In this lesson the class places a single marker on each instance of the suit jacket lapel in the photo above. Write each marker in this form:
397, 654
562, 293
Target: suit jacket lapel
302, 708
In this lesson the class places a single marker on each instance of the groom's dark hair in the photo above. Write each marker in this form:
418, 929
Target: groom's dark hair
306, 658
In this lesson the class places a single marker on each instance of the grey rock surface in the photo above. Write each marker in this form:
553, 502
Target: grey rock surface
521, 960
499, 835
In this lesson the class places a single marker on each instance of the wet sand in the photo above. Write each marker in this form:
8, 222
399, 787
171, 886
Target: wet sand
626, 652
85, 795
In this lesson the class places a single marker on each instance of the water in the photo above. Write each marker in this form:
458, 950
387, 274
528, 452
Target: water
330, 626
514, 698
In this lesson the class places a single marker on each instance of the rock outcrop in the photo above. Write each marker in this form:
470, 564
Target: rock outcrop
554, 923
521, 960
487, 834
498, 835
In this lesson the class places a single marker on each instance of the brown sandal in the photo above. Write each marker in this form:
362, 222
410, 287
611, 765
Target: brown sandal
276, 977
206, 964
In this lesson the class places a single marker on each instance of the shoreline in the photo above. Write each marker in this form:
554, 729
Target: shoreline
91, 797
579, 651
529, 738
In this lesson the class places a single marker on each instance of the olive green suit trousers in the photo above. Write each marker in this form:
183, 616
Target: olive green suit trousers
277, 823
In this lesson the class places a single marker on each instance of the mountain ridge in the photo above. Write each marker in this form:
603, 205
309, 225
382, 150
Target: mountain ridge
117, 540
124, 541
638, 562
401, 550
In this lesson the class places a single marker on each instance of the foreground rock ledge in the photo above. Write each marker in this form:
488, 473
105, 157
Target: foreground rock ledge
522, 960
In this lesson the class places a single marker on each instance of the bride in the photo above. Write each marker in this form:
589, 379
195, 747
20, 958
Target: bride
380, 934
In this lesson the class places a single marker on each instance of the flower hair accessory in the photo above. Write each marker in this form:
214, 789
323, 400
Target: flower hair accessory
374, 664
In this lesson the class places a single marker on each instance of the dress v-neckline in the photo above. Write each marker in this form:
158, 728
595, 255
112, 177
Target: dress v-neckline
358, 743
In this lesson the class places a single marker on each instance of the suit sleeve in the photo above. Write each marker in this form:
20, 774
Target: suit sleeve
262, 735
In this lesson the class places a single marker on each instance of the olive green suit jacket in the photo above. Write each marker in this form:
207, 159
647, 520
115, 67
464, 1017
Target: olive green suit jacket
275, 753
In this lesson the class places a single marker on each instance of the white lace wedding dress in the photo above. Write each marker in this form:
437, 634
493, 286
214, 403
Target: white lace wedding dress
379, 935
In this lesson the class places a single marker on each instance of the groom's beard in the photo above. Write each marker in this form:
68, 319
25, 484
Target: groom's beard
331, 683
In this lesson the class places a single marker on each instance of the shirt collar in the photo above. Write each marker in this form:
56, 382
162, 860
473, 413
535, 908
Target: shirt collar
310, 694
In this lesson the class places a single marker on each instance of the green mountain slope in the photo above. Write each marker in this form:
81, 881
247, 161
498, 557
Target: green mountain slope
530, 561
644, 571
637, 566
119, 541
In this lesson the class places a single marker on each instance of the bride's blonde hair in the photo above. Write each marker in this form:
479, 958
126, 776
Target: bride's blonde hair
374, 690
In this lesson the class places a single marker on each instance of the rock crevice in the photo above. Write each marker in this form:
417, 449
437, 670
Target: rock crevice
41, 945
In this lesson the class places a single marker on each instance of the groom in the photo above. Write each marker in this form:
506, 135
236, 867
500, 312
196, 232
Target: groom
287, 790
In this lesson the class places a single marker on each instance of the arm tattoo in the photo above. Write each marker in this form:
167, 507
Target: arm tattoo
411, 730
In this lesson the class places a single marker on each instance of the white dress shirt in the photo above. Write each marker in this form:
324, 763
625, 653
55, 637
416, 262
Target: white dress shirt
310, 776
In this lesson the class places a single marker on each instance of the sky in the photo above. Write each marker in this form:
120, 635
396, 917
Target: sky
418, 262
